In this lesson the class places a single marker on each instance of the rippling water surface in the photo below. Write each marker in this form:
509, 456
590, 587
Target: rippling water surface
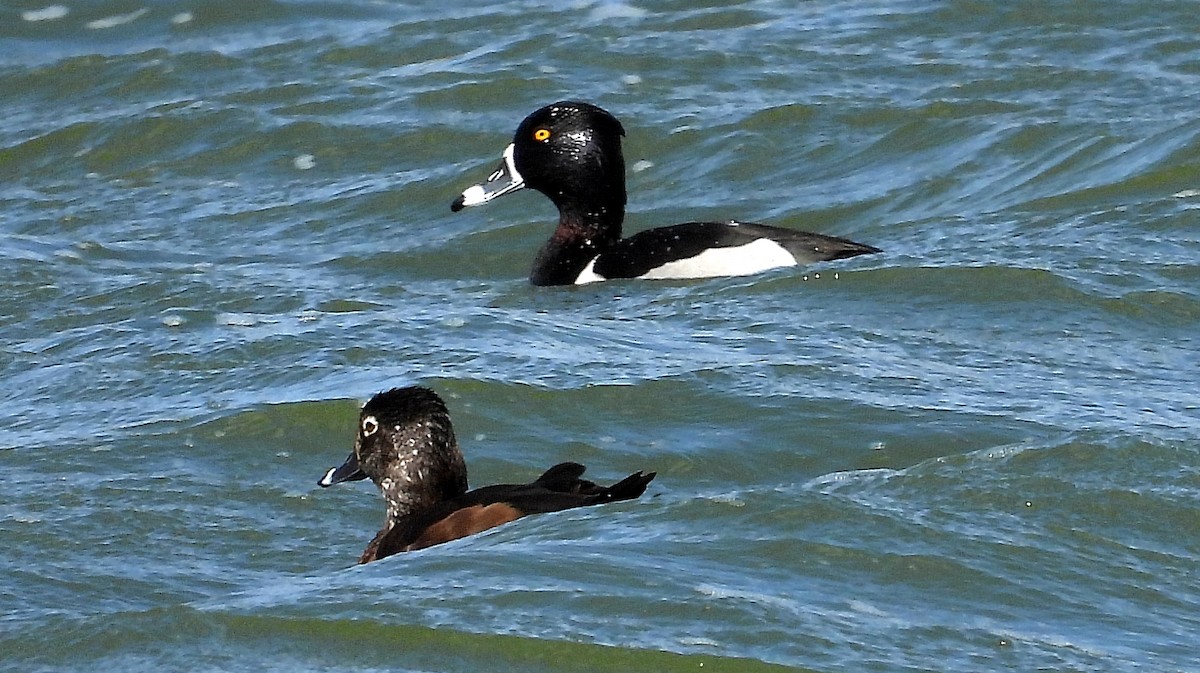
223, 225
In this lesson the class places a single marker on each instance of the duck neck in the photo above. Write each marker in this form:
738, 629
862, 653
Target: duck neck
405, 500
409, 491
582, 233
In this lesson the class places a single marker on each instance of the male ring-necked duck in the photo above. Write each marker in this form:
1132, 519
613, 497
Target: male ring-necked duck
571, 152
406, 445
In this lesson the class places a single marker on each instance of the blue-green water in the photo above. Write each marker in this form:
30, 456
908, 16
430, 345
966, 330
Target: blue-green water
223, 225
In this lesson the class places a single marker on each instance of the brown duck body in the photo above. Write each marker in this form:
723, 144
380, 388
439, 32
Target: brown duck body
406, 445
476, 511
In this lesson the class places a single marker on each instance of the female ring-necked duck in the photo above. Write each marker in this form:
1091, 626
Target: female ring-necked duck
571, 152
406, 445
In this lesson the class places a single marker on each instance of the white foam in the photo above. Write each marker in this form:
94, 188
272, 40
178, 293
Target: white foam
616, 10
48, 13
118, 20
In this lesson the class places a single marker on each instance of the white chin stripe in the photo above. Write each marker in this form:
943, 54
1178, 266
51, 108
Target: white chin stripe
754, 257
474, 195
327, 479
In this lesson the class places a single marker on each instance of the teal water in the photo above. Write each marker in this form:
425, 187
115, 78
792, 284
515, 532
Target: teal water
225, 225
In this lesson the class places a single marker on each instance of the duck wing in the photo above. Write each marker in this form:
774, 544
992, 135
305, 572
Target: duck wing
557, 489
709, 249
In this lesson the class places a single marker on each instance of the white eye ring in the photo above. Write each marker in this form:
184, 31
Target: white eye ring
369, 426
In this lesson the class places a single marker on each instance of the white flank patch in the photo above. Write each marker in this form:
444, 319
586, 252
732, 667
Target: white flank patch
589, 275
744, 260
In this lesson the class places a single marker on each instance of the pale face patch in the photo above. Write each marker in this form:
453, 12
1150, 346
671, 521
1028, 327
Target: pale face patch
743, 260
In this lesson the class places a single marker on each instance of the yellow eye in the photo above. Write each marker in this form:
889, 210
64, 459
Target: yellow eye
541, 135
